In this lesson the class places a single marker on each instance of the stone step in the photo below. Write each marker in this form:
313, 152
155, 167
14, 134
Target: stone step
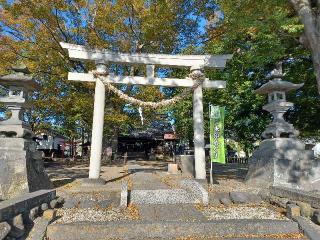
221, 229
162, 196
172, 212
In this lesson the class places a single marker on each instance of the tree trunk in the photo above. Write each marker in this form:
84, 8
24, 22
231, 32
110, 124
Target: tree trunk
311, 21
114, 144
73, 149
316, 64
82, 143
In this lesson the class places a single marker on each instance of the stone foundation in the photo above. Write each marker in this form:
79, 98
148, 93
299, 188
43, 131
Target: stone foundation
284, 162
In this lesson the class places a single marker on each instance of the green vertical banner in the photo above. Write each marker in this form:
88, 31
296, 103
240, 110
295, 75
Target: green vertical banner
217, 146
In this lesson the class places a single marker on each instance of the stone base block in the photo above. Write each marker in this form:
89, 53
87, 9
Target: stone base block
92, 181
284, 162
21, 168
186, 164
172, 168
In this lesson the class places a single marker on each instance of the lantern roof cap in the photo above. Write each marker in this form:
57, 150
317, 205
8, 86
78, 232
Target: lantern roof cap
19, 77
277, 85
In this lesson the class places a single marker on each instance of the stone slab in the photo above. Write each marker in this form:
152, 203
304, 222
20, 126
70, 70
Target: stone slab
244, 197
103, 199
19, 205
196, 189
174, 212
239, 197
147, 181
168, 230
4, 230
311, 230
226, 201
297, 195
162, 196
39, 229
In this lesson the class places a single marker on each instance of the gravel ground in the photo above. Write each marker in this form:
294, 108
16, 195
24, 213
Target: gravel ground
96, 215
230, 185
241, 212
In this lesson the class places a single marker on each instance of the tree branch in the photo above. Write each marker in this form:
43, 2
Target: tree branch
59, 27
308, 19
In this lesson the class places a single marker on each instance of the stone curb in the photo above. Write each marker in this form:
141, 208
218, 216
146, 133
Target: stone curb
124, 195
296, 195
20, 205
5, 228
168, 230
196, 189
21, 213
310, 231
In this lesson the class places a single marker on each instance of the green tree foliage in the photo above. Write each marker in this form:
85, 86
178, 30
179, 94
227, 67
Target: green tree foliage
32, 29
259, 34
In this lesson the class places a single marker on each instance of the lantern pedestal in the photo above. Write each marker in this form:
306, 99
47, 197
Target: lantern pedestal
21, 168
283, 162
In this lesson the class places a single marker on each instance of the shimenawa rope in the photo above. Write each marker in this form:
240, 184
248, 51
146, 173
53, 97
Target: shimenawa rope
196, 75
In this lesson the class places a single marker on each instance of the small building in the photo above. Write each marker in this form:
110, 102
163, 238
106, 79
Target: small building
158, 138
51, 143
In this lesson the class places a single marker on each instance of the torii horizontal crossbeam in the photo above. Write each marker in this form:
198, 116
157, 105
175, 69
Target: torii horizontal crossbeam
78, 52
166, 82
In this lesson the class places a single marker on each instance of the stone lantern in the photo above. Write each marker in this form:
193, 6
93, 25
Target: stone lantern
278, 106
21, 165
281, 159
18, 83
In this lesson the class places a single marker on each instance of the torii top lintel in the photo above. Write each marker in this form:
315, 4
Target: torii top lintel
78, 52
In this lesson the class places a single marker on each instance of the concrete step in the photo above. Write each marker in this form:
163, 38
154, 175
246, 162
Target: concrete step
221, 229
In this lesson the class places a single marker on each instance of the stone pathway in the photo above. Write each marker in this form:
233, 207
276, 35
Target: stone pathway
146, 181
149, 218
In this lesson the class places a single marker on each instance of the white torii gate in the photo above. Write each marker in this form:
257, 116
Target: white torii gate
103, 57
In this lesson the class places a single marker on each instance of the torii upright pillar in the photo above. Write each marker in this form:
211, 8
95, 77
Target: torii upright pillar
97, 126
198, 130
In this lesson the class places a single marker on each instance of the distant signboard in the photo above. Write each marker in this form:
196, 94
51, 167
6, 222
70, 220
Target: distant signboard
169, 136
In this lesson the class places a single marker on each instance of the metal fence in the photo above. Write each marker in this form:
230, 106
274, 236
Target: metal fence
240, 160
